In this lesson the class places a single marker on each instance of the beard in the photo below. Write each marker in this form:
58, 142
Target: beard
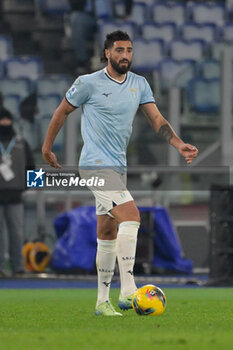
117, 66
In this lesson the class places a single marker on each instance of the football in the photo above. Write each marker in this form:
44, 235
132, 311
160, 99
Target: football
149, 300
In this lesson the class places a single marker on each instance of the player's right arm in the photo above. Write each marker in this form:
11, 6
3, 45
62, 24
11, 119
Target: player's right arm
57, 121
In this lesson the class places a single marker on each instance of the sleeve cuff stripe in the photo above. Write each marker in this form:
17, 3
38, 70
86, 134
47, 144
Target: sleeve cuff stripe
144, 103
71, 103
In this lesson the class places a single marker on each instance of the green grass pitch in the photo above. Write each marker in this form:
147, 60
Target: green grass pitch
198, 319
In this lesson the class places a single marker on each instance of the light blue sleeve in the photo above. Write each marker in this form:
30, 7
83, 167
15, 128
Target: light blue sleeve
78, 93
146, 93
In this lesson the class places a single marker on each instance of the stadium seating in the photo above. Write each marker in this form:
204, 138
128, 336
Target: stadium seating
178, 73
43, 124
19, 87
103, 9
139, 13
183, 50
23, 67
147, 54
204, 95
218, 47
208, 13
6, 48
227, 32
205, 32
54, 7
209, 68
11, 102
174, 13
55, 85
164, 31
30, 132
47, 105
1, 69
147, 2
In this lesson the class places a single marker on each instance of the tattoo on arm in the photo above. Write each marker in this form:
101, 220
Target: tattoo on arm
165, 132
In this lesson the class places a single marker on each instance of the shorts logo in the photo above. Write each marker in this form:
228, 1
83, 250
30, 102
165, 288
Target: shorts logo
35, 178
122, 193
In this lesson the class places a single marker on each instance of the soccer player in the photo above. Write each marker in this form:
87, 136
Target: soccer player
110, 98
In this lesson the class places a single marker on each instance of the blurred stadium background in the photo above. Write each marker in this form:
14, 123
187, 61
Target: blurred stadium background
185, 50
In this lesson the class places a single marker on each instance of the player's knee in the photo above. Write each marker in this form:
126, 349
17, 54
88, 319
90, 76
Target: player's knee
107, 234
107, 230
133, 213
126, 212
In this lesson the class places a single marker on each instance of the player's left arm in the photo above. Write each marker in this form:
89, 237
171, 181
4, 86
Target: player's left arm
165, 131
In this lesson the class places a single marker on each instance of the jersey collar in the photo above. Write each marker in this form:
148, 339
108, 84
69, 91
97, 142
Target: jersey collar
116, 81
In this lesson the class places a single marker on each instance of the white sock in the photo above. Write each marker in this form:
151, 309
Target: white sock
126, 250
105, 264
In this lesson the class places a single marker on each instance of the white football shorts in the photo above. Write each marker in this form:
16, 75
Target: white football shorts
113, 193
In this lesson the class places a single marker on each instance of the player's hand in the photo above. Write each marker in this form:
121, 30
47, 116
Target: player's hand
189, 152
51, 159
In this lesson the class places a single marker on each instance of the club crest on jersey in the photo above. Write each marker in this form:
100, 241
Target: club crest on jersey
133, 90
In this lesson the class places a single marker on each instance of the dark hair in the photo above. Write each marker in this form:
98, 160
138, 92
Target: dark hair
4, 113
111, 38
